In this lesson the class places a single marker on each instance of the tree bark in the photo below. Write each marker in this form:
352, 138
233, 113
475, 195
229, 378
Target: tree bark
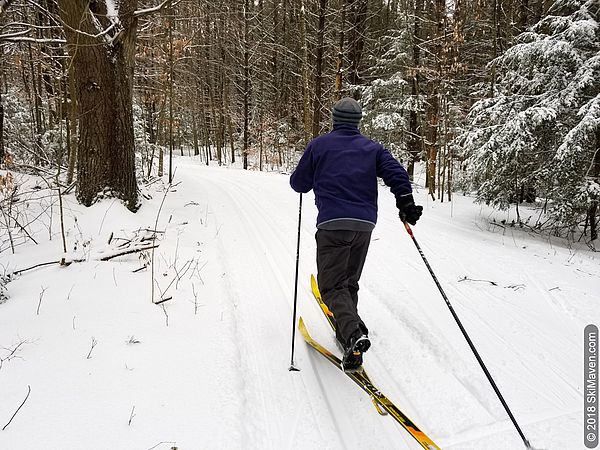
103, 72
357, 40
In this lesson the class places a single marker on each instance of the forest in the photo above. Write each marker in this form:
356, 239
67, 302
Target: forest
495, 98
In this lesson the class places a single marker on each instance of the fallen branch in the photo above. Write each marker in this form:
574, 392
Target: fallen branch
19, 408
67, 263
493, 283
127, 252
17, 272
162, 300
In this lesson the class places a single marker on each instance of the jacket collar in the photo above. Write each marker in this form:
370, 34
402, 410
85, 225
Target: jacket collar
346, 127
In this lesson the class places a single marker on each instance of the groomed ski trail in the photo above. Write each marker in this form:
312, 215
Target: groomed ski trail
315, 398
419, 357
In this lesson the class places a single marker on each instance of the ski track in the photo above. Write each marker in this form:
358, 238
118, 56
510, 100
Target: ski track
274, 304
341, 428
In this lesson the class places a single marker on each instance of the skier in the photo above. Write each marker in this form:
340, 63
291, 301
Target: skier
342, 168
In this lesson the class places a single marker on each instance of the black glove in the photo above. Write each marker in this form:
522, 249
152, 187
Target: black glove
409, 212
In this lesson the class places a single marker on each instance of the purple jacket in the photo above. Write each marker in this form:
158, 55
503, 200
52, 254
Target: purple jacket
342, 168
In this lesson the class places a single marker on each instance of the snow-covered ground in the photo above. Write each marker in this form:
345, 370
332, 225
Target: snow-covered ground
208, 369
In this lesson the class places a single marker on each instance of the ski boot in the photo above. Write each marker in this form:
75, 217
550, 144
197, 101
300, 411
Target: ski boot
358, 344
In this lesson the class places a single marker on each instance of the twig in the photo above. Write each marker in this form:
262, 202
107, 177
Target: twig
94, 342
178, 275
154, 240
161, 443
195, 299
19, 408
515, 287
132, 415
40, 302
145, 12
493, 283
12, 353
166, 314
104, 217
21, 227
151, 231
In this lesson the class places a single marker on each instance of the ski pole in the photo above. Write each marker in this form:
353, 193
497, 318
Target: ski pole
292, 367
464, 332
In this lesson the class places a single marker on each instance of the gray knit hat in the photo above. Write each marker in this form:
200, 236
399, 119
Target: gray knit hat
346, 110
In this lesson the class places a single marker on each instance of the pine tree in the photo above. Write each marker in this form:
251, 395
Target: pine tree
539, 134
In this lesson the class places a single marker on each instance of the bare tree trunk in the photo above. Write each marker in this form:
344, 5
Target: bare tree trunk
357, 40
433, 110
340, 56
246, 84
1, 105
195, 133
305, 73
317, 101
1, 128
171, 81
104, 90
37, 108
72, 144
415, 140
593, 209
523, 14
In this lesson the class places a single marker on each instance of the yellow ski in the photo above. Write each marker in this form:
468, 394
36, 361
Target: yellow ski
360, 378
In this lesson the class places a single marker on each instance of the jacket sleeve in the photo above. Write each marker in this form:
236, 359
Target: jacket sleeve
392, 173
302, 178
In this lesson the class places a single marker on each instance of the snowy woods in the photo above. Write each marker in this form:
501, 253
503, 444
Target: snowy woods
496, 97
155, 262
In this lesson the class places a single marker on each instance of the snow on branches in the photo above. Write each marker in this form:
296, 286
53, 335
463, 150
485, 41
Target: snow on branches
541, 131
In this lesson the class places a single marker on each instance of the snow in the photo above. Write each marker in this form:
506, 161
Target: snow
209, 368
111, 10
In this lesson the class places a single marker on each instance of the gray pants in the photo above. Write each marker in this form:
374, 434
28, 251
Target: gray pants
341, 256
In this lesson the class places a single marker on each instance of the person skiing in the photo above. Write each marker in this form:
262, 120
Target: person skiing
342, 168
